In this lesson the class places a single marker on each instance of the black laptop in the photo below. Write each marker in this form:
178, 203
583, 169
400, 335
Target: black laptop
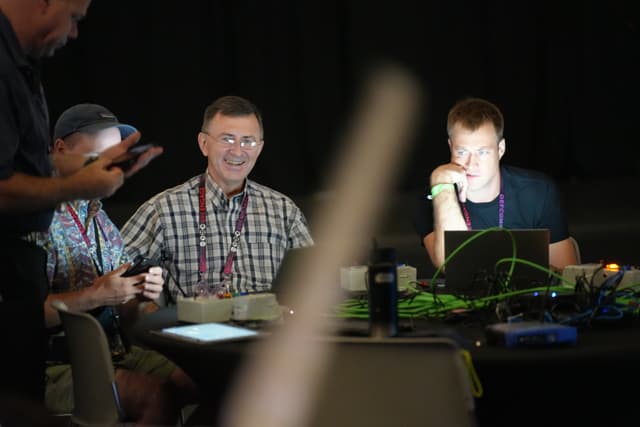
472, 271
290, 261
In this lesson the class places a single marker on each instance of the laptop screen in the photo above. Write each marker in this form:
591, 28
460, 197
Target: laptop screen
472, 271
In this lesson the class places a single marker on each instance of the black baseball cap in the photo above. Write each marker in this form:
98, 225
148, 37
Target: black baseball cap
88, 118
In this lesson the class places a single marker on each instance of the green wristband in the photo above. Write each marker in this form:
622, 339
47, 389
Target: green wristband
436, 189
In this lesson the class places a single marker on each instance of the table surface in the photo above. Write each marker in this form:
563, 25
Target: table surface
581, 384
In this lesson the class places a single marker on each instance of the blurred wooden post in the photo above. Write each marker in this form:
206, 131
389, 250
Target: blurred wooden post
276, 388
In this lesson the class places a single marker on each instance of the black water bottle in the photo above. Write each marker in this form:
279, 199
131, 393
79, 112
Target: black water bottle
383, 298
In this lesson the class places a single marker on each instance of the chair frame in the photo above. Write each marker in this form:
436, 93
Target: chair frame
96, 397
395, 381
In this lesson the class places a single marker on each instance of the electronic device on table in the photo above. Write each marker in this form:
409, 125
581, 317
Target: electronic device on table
204, 333
596, 275
468, 271
254, 306
530, 334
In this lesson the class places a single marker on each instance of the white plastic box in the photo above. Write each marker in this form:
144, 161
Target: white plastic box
354, 278
204, 309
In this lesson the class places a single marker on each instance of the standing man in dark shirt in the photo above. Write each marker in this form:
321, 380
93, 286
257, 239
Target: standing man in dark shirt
29, 31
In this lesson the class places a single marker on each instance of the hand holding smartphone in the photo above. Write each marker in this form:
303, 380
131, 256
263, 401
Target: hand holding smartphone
140, 265
127, 160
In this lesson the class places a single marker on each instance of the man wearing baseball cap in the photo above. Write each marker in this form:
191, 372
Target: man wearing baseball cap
88, 118
85, 261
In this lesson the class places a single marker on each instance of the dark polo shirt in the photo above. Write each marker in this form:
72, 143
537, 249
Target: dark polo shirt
24, 127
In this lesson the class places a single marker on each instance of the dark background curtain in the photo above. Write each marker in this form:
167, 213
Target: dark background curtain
564, 74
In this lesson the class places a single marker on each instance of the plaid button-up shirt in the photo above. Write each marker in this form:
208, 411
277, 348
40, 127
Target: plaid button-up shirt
166, 228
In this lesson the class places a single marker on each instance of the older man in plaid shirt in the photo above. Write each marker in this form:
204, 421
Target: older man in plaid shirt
219, 231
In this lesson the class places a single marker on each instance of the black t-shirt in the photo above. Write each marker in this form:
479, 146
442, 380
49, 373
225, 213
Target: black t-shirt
24, 127
531, 200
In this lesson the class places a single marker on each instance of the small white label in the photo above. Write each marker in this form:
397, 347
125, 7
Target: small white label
384, 277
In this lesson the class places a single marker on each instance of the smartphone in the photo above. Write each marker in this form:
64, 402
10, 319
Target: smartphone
140, 265
127, 160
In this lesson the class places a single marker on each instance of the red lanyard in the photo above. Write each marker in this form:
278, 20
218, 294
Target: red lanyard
202, 226
467, 218
94, 251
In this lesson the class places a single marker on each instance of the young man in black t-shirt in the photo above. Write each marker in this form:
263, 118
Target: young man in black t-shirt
473, 191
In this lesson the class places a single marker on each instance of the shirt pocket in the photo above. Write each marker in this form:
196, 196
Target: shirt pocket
185, 265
